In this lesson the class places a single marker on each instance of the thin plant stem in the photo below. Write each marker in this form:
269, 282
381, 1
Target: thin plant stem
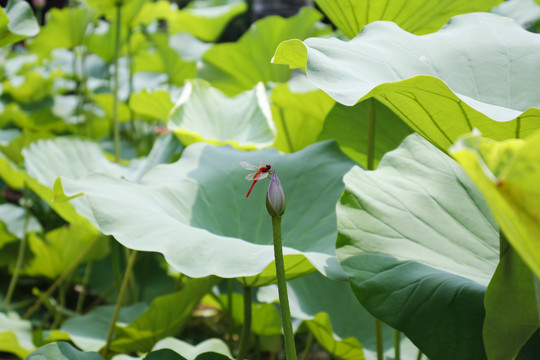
379, 339
61, 278
58, 316
84, 284
286, 129
246, 329
230, 320
290, 349
397, 345
131, 281
20, 254
370, 133
419, 356
116, 124
120, 300
309, 343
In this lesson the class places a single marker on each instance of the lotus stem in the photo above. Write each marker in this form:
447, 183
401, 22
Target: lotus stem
397, 345
290, 349
246, 329
371, 133
120, 300
116, 125
379, 339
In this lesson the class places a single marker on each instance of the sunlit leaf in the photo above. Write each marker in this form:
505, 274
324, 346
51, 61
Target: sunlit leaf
202, 197
15, 335
419, 245
65, 28
14, 219
106, 102
155, 105
431, 81
524, 12
416, 16
206, 23
17, 22
236, 67
55, 253
29, 88
244, 121
508, 174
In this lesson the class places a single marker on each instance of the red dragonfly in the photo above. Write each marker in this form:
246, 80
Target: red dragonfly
260, 173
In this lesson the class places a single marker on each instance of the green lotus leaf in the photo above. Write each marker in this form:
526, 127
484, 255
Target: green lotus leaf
430, 81
29, 88
55, 254
17, 22
191, 352
348, 125
62, 351
188, 46
165, 59
15, 335
89, 331
299, 111
154, 105
14, 218
508, 174
414, 16
129, 10
244, 121
239, 66
206, 23
55, 33
198, 206
512, 307
166, 316
106, 102
164, 354
419, 245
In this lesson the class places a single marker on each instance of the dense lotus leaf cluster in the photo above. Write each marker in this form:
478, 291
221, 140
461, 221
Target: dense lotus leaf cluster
406, 137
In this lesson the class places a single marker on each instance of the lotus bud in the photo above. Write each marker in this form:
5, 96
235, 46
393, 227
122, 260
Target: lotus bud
275, 197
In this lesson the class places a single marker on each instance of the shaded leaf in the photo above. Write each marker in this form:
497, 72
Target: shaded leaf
62, 351
419, 245
17, 22
191, 352
15, 335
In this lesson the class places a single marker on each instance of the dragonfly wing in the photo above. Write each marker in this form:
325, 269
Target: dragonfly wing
248, 166
261, 175
251, 176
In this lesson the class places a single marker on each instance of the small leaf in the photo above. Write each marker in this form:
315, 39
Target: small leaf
62, 351
17, 22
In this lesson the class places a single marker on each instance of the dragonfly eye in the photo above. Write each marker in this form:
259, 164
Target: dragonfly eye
268, 167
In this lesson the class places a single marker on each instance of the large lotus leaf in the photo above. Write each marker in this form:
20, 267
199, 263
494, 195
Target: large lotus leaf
244, 121
236, 67
17, 22
62, 351
348, 125
206, 23
415, 16
191, 352
432, 81
56, 253
508, 174
299, 111
195, 211
154, 105
65, 28
89, 331
512, 306
419, 245
165, 317
15, 335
